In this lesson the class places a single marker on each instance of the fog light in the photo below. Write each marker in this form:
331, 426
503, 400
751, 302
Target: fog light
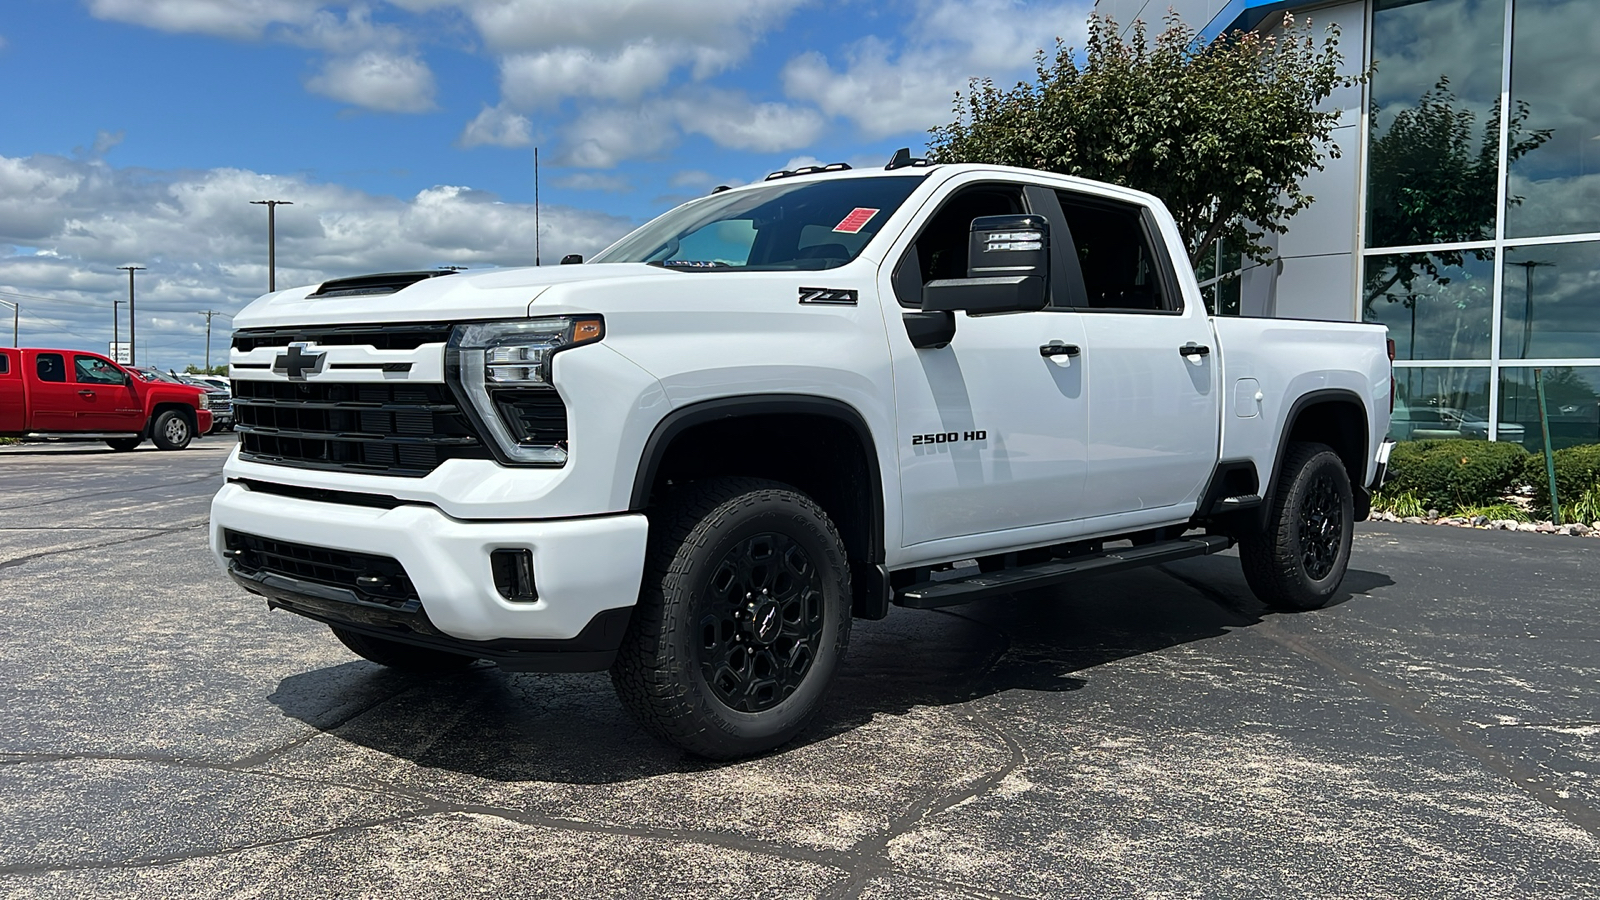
513, 575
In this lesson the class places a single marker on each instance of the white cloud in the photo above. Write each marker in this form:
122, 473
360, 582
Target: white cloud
498, 127
65, 224
542, 79
593, 181
601, 138
731, 120
238, 19
691, 178
377, 80
889, 87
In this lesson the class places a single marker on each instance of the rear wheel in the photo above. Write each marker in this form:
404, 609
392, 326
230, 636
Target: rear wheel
742, 620
404, 657
123, 445
1299, 559
171, 430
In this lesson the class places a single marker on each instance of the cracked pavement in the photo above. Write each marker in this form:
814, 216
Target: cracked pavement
1436, 733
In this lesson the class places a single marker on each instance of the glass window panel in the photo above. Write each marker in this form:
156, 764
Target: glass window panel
1551, 302
1440, 403
1554, 155
1437, 305
1228, 296
1572, 403
1432, 169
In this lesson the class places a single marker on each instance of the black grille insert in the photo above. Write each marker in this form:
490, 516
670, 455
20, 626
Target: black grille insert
407, 336
534, 417
375, 579
405, 430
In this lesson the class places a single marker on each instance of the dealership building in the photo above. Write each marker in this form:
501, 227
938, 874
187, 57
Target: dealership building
1474, 237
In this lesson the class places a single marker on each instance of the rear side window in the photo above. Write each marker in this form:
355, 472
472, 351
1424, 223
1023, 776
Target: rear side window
5, 364
51, 367
1121, 270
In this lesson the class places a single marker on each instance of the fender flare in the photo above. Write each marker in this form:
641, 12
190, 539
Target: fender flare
1310, 398
684, 418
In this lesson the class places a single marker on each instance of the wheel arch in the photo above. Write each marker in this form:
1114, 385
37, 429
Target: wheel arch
183, 409
1333, 416
820, 445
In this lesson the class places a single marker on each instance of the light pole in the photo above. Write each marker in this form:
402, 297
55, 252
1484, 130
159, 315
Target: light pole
272, 238
16, 314
133, 321
208, 313
1527, 299
116, 325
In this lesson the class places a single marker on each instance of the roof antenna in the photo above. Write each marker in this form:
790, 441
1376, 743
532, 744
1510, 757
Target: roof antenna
902, 158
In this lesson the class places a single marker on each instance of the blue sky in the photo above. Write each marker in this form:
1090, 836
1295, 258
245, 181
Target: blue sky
403, 130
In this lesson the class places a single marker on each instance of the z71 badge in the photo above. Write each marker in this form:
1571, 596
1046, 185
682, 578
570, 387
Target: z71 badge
948, 437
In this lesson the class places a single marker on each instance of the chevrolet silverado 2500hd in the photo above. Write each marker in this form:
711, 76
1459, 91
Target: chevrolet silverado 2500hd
693, 459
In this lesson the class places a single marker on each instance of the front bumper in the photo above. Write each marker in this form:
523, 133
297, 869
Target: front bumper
582, 567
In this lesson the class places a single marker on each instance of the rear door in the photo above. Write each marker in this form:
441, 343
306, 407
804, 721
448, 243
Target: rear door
1153, 408
53, 396
991, 432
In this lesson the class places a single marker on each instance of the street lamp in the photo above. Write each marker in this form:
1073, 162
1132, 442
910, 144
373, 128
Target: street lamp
272, 238
132, 317
1527, 299
116, 326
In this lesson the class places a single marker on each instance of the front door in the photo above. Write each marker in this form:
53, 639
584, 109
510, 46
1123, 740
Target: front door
991, 430
107, 401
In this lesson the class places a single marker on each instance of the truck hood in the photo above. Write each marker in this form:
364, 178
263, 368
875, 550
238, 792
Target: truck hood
503, 293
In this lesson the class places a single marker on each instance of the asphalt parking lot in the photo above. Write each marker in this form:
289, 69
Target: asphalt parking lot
1155, 734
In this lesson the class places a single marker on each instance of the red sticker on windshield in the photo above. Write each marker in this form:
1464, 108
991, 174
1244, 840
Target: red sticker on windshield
857, 220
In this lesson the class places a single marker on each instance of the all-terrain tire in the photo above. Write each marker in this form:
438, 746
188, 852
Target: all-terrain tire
742, 620
123, 445
403, 657
1298, 560
171, 431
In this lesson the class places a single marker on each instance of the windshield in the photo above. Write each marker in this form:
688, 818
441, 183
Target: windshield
799, 225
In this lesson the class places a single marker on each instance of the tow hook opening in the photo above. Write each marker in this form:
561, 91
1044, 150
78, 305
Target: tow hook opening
513, 575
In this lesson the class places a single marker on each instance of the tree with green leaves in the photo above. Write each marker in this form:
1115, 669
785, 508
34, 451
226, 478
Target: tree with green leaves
1223, 132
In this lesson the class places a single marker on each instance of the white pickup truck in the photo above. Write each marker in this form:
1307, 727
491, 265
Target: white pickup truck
695, 458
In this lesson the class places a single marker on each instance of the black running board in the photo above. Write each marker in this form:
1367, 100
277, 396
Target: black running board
934, 594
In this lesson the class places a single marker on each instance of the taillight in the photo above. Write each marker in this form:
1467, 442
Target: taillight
1390, 342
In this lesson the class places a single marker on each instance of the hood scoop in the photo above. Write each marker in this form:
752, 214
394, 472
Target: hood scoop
385, 283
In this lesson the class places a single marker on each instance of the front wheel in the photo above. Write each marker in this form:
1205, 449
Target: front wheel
171, 431
742, 619
1298, 560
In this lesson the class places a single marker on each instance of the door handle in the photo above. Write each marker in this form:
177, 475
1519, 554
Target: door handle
86, 393
1193, 349
1049, 350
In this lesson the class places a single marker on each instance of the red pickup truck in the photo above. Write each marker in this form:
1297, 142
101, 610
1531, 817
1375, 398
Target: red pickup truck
73, 393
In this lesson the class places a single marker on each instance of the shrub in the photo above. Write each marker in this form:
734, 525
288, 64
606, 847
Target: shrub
1402, 503
1447, 475
1577, 469
1585, 507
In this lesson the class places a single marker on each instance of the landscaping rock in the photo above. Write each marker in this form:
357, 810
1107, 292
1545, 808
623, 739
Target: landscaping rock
1504, 524
1412, 520
1526, 526
1433, 514
1545, 528
1480, 521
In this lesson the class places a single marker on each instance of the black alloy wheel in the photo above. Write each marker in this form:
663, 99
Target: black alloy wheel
761, 622
1321, 527
743, 617
1297, 559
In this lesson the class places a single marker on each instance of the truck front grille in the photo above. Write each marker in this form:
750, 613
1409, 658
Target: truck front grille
383, 429
408, 336
379, 579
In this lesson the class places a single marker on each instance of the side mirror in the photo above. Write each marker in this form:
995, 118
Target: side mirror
572, 259
1008, 269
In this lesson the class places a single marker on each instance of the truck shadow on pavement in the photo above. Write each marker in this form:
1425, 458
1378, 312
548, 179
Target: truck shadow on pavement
570, 728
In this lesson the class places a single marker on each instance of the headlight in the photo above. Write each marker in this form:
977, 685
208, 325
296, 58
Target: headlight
205, 400
504, 369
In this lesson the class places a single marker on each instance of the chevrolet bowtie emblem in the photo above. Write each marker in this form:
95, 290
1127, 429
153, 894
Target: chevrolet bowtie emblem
297, 363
